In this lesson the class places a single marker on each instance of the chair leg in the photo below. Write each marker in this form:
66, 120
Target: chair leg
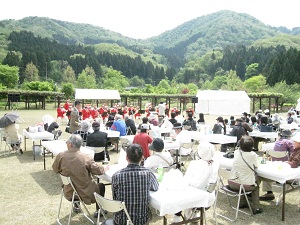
59, 208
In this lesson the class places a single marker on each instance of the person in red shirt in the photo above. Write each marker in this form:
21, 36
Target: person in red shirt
143, 139
60, 111
190, 110
67, 105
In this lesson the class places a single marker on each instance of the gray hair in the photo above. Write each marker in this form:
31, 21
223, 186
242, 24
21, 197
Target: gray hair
75, 140
126, 116
85, 125
118, 117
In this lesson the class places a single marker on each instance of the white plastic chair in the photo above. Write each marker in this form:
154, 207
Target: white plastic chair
225, 174
110, 206
9, 143
277, 154
75, 200
184, 158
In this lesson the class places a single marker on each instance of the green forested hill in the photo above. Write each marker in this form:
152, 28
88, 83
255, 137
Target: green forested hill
213, 31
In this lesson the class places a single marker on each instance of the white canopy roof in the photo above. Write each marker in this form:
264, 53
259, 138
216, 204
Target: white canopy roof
222, 102
96, 94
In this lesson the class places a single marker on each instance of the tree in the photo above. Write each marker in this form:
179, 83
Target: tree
114, 79
255, 84
251, 70
9, 76
69, 75
87, 79
136, 81
31, 72
233, 82
68, 89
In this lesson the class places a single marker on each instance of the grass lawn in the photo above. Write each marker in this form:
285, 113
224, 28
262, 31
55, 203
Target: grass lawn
30, 195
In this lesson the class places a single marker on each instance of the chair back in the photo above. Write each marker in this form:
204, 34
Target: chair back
96, 149
187, 145
226, 174
277, 154
112, 205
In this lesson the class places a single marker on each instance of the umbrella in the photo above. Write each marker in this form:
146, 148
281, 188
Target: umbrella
7, 119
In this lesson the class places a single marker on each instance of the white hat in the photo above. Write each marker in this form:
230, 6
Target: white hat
296, 138
206, 150
144, 127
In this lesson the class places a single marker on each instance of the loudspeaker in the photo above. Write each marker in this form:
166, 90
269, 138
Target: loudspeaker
194, 99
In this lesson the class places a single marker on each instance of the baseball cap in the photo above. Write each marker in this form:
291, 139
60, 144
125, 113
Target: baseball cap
144, 127
157, 145
177, 125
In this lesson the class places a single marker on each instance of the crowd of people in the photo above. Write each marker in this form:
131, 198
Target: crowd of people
133, 183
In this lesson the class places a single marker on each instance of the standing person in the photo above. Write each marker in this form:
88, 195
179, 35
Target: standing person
75, 117
161, 112
143, 139
132, 185
79, 166
98, 139
244, 164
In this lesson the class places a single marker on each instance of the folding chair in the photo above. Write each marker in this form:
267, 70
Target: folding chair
110, 206
75, 200
129, 131
184, 158
9, 143
124, 142
225, 174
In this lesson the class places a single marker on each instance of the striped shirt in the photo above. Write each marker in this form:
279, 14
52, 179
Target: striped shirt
132, 185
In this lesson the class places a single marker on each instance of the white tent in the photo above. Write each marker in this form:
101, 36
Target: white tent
96, 94
222, 102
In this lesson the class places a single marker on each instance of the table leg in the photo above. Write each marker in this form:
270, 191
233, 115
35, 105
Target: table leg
283, 201
33, 149
25, 143
165, 220
202, 215
44, 152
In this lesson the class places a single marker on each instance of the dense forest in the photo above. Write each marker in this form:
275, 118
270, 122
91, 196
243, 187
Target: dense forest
209, 52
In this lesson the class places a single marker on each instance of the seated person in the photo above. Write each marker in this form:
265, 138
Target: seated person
79, 166
219, 127
173, 120
130, 123
293, 161
264, 126
84, 130
284, 144
159, 157
182, 136
52, 127
98, 139
119, 125
153, 120
244, 164
203, 171
110, 121
201, 119
143, 139
132, 186
190, 123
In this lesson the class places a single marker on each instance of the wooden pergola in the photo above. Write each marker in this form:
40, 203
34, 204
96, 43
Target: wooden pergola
260, 96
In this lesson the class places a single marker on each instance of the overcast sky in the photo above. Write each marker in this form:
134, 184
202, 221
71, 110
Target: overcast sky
147, 18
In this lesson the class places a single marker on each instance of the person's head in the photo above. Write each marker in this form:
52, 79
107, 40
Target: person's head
264, 120
74, 141
77, 104
118, 117
296, 140
173, 115
206, 151
190, 115
226, 121
253, 119
85, 125
246, 143
145, 128
201, 117
145, 120
177, 127
220, 119
161, 103
126, 116
96, 126
244, 114
285, 133
157, 145
134, 153
238, 120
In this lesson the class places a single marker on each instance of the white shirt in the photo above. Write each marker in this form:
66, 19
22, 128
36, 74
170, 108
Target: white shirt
161, 109
184, 137
164, 158
246, 175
